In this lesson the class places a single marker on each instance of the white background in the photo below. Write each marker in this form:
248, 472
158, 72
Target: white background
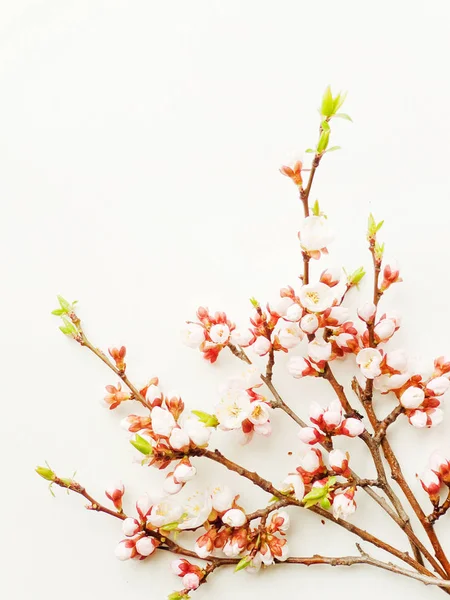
139, 150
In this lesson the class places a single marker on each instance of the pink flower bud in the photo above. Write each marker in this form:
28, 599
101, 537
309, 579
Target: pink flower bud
261, 346
397, 360
437, 386
191, 581
115, 493
310, 435
300, 367
412, 397
435, 417
367, 312
431, 482
115, 396
391, 275
440, 464
418, 418
184, 471
234, 518
339, 462
130, 527
294, 313
352, 427
118, 355
153, 393
146, 545
170, 486
280, 521
125, 549
242, 337
135, 423
442, 365
336, 315
179, 439
331, 277
384, 330
311, 462
180, 567
294, 172
162, 421
143, 506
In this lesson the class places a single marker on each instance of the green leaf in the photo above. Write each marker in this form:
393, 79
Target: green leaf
142, 445
325, 126
243, 563
58, 312
64, 304
254, 302
334, 148
310, 151
355, 277
178, 596
316, 209
325, 503
343, 116
315, 495
206, 418
45, 473
338, 101
323, 141
326, 108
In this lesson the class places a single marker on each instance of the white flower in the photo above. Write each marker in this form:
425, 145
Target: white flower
294, 483
369, 360
193, 335
316, 411
418, 418
260, 413
164, 512
343, 506
222, 498
266, 555
338, 459
170, 486
143, 505
179, 439
162, 421
234, 407
198, 511
220, 333
438, 385
315, 233
332, 415
184, 472
316, 297
146, 546
343, 339
130, 527
298, 366
367, 312
413, 397
191, 581
339, 314
242, 337
263, 428
319, 350
255, 565
385, 383
294, 313
281, 306
198, 433
261, 346
384, 329
234, 518
125, 550
309, 323
289, 335
440, 462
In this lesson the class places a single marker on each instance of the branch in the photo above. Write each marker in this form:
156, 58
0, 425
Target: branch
439, 511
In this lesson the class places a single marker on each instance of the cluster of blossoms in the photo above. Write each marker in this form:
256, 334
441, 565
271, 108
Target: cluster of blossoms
436, 475
310, 324
242, 409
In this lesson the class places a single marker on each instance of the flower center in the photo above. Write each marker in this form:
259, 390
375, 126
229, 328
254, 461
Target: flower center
234, 410
313, 296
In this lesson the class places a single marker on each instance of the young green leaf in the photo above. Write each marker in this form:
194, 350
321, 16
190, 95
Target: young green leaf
316, 209
142, 445
64, 304
243, 563
323, 141
338, 101
343, 116
310, 150
355, 277
334, 148
45, 473
206, 418
326, 108
58, 312
325, 125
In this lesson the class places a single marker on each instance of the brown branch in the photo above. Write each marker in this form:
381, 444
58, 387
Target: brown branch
387, 422
439, 511
83, 340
